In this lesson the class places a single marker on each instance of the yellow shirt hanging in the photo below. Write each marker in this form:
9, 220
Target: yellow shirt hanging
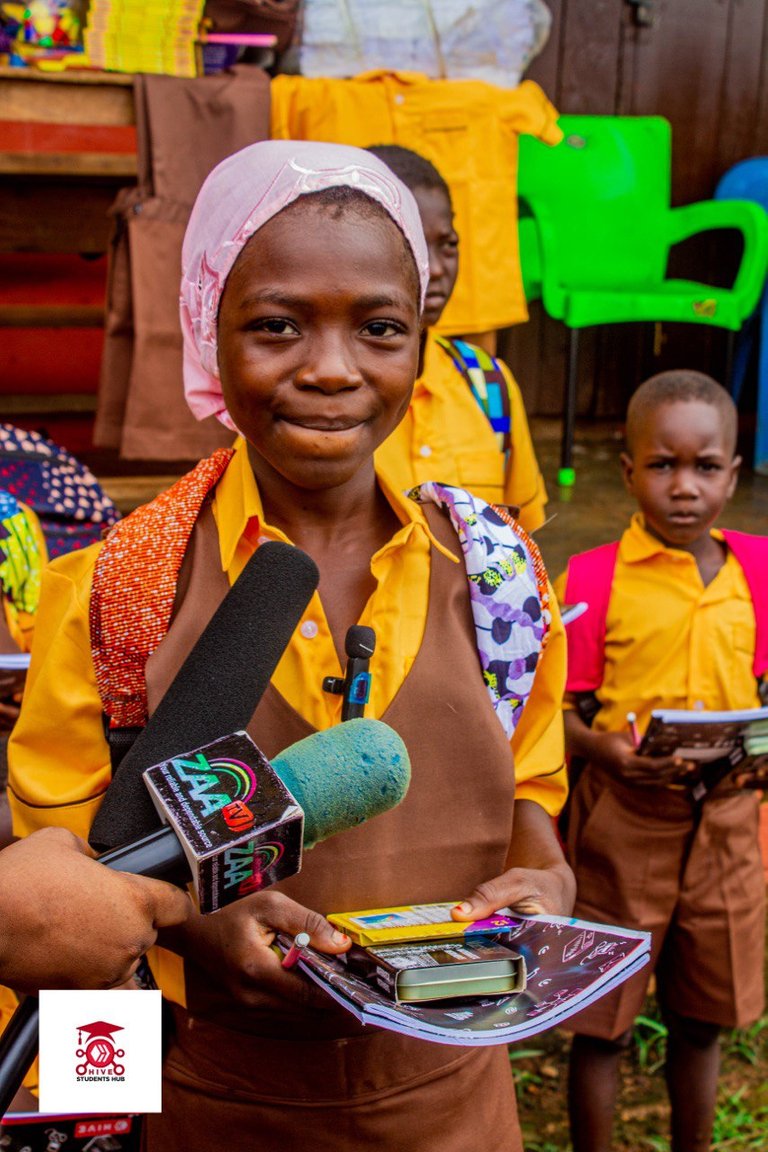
469, 130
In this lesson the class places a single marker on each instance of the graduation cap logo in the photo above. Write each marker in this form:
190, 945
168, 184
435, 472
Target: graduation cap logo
98, 1049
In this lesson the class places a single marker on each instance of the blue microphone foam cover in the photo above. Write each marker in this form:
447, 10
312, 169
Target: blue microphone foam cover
345, 775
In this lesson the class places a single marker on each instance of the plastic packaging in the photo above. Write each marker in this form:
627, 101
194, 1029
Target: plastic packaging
491, 40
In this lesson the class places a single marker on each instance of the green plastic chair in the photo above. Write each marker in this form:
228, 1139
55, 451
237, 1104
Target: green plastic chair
596, 227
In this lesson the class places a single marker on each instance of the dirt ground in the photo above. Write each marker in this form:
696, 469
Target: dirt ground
540, 1067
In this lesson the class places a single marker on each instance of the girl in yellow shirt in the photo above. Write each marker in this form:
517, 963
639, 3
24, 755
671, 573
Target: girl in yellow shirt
304, 274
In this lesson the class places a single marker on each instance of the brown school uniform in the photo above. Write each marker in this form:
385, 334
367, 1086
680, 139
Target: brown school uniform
307, 1075
652, 858
694, 880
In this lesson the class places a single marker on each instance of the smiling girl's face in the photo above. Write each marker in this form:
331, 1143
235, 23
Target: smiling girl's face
318, 339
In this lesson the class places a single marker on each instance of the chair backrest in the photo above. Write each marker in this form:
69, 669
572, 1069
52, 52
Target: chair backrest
599, 195
530, 254
747, 180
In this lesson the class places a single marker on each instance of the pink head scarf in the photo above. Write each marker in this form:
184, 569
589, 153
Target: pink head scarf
239, 197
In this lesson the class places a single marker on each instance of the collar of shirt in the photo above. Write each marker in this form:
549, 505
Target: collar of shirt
638, 544
405, 78
397, 609
239, 516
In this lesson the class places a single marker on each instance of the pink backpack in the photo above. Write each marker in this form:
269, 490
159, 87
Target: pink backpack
590, 578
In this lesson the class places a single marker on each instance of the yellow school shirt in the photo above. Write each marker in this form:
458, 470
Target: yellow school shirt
670, 642
59, 758
8, 1005
445, 436
469, 130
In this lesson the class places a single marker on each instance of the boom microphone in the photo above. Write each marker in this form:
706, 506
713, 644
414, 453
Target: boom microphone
218, 686
234, 823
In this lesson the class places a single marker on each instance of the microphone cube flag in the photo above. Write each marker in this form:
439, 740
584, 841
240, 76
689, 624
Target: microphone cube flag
239, 826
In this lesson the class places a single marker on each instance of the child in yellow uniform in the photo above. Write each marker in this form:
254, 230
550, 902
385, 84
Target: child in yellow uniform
304, 274
445, 434
676, 628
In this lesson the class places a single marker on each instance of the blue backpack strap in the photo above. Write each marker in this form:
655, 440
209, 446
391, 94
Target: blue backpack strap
487, 383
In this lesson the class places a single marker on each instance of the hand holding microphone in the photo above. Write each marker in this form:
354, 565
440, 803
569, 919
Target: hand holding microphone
49, 888
229, 846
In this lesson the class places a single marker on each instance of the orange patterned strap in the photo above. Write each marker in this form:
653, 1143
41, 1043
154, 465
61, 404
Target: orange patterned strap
134, 587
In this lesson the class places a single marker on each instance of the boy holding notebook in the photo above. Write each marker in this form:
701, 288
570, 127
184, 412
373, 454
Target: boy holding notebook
675, 621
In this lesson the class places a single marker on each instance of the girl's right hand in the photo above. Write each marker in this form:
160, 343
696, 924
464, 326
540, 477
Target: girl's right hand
615, 752
235, 947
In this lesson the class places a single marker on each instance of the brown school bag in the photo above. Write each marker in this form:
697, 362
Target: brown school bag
185, 127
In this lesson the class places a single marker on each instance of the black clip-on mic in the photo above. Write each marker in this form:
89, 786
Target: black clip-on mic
359, 646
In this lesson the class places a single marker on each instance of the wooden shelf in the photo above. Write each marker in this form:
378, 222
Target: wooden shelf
72, 97
79, 164
51, 316
55, 404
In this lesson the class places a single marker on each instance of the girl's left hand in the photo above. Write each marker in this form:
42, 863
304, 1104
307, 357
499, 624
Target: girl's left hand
530, 891
234, 947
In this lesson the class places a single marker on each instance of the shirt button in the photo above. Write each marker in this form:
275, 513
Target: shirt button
425, 450
399, 98
309, 629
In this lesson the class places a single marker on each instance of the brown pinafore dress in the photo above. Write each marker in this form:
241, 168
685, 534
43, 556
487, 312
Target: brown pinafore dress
309, 1076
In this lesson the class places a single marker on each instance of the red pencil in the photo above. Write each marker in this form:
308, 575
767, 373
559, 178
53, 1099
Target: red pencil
293, 955
634, 730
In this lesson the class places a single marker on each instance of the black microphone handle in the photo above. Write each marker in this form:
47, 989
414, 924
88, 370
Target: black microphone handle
160, 855
18, 1048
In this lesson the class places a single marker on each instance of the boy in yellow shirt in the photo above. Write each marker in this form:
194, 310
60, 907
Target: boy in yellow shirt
674, 622
446, 433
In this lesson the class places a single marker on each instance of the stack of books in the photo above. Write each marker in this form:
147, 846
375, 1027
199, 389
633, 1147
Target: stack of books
413, 970
726, 747
140, 36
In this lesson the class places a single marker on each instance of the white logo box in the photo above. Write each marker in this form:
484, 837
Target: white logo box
100, 1051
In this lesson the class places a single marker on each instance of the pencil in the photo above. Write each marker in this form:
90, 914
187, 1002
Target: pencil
293, 955
634, 731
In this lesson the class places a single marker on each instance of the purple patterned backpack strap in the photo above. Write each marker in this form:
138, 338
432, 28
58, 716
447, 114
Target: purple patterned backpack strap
509, 595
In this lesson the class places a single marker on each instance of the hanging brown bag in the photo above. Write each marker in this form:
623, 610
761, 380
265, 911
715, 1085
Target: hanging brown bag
141, 407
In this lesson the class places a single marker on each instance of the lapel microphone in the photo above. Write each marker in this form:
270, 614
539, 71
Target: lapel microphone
355, 687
